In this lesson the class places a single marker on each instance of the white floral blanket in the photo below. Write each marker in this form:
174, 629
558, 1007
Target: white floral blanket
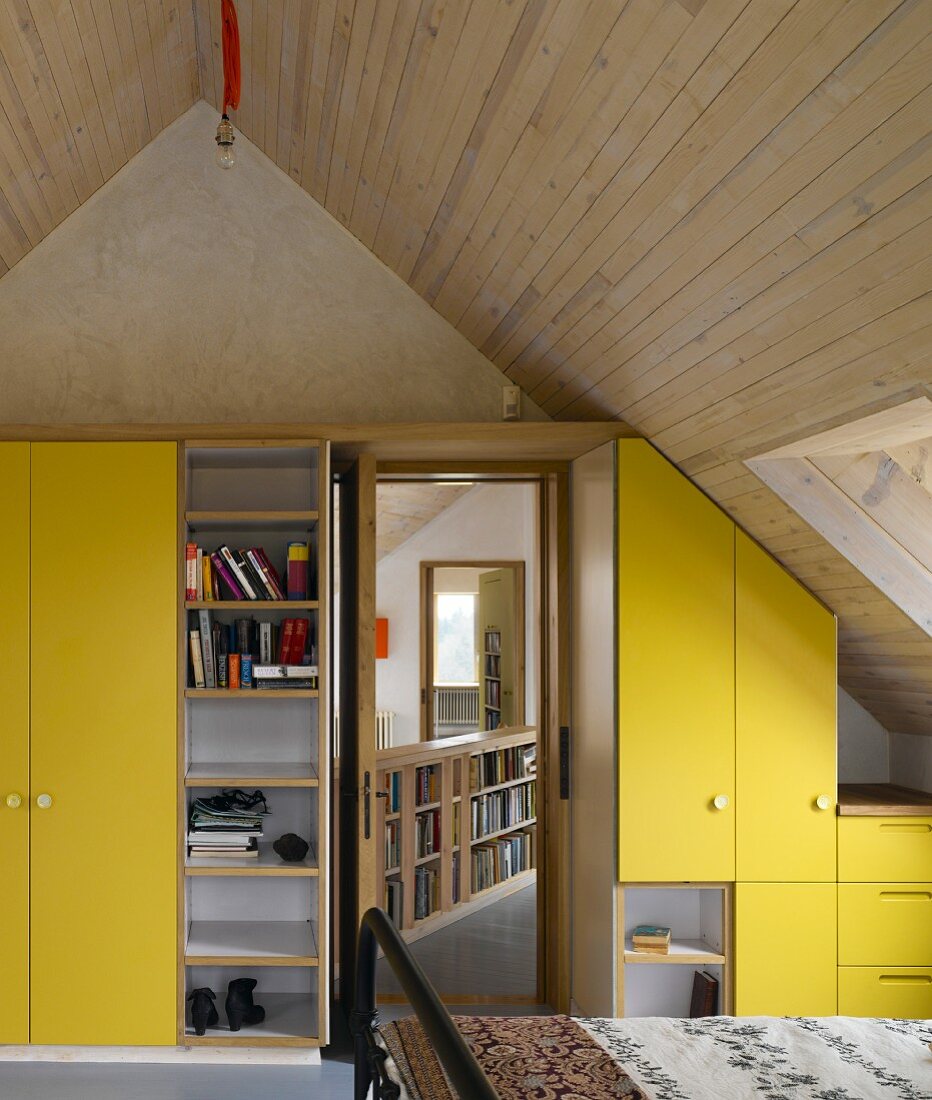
768, 1058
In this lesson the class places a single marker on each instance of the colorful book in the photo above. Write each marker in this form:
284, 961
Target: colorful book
190, 571
236, 593
207, 573
207, 649
284, 646
271, 573
197, 660
297, 570
234, 567
199, 572
254, 561
298, 643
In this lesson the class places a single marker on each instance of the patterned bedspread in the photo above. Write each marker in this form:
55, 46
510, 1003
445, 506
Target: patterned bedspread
717, 1058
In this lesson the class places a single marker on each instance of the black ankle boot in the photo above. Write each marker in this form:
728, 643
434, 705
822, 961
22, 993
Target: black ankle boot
240, 1009
203, 1011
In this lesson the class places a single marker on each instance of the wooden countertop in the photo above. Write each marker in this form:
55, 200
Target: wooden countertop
882, 800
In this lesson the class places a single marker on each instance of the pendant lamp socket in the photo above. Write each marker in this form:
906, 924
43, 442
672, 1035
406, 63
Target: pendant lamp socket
226, 154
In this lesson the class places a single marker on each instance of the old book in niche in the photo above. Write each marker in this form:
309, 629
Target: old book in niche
705, 995
652, 938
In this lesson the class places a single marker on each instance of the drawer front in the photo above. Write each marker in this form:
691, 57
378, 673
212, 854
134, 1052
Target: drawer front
901, 993
885, 924
884, 849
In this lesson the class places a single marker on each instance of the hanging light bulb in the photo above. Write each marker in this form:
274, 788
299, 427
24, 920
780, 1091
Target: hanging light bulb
226, 154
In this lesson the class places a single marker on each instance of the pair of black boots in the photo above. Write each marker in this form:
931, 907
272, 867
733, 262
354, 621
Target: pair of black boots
240, 1008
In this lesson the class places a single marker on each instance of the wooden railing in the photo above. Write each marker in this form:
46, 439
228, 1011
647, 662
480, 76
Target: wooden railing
455, 828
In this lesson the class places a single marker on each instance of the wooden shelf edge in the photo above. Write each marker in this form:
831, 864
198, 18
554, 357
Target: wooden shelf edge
240, 693
691, 953
251, 960
503, 786
213, 1040
501, 832
260, 605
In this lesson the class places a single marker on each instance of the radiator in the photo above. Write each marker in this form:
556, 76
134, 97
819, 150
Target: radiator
384, 730
456, 706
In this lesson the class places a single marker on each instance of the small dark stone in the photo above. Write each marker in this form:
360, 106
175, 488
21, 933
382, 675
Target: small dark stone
291, 848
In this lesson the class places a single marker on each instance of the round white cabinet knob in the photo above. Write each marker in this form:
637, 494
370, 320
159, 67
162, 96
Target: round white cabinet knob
14, 801
43, 801
720, 801
823, 802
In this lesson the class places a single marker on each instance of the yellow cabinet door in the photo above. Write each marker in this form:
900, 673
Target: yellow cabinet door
103, 918
885, 923
14, 743
676, 675
785, 949
785, 699
894, 992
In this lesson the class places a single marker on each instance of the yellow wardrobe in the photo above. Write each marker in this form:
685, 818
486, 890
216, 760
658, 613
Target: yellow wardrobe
89, 581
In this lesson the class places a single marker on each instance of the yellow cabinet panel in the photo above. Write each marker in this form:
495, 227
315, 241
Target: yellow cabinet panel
884, 849
14, 742
785, 949
104, 680
894, 992
885, 924
785, 698
676, 675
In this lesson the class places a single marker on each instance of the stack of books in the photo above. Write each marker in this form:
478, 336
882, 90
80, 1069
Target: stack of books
247, 654
277, 677
652, 938
213, 832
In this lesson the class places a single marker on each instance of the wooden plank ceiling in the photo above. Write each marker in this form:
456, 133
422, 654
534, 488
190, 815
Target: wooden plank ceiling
707, 218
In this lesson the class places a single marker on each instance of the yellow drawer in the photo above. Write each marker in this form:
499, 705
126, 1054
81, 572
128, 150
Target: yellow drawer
884, 849
903, 993
885, 924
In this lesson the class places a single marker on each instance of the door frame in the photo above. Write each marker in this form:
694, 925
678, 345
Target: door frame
426, 641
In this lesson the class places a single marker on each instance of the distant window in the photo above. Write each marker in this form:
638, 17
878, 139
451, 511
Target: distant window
455, 633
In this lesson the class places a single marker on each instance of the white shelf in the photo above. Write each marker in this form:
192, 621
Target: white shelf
287, 1016
683, 952
251, 773
268, 862
270, 943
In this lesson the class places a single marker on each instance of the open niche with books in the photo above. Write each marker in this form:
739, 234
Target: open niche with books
252, 697
677, 949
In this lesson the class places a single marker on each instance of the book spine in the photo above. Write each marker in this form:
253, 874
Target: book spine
207, 573
297, 570
197, 665
223, 679
284, 648
254, 577
207, 647
190, 571
298, 642
199, 573
227, 555
272, 573
256, 563
233, 671
228, 579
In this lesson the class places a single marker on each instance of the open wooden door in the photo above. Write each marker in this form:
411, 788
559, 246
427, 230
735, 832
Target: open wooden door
357, 711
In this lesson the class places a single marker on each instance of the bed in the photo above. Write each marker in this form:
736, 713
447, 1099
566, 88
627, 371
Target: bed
433, 1056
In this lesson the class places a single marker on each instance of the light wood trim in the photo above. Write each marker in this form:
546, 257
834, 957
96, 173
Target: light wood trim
882, 800
431, 751
298, 517
254, 605
219, 1040
324, 748
182, 740
252, 960
238, 695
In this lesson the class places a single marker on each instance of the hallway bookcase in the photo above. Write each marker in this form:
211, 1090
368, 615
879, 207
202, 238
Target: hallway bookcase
259, 917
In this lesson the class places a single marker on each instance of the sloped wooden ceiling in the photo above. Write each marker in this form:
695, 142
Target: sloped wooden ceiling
84, 85
708, 218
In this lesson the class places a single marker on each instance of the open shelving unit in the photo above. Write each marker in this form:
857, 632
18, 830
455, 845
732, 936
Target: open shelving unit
257, 916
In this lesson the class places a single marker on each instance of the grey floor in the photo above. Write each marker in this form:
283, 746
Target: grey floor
493, 941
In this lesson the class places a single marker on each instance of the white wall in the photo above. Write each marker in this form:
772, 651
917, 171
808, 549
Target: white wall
489, 523
911, 761
183, 293
863, 744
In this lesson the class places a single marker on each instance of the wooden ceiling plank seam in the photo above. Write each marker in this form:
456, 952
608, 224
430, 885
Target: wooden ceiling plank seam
670, 403
180, 61
50, 122
296, 17
97, 20
897, 425
205, 51
656, 177
714, 326
771, 404
894, 179
273, 53
553, 181
415, 187
386, 24
139, 29
661, 287
47, 33
254, 60
247, 102
402, 42
14, 244
303, 160
60, 200
301, 99
18, 184
496, 134
97, 70
215, 23
338, 34
354, 85
154, 19
365, 225
132, 90
588, 40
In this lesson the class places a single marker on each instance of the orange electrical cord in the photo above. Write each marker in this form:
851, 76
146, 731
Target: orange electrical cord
231, 56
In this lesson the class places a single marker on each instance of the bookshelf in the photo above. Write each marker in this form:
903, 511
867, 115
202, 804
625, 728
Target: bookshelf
244, 915
440, 856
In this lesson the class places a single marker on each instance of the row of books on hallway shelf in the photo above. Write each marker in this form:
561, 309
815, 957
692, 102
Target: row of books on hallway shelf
427, 784
394, 901
246, 654
502, 766
502, 809
493, 694
493, 666
228, 824
499, 860
426, 892
392, 792
247, 574
493, 719
392, 844
426, 834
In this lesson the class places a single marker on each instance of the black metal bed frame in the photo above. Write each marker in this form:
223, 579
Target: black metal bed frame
376, 931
